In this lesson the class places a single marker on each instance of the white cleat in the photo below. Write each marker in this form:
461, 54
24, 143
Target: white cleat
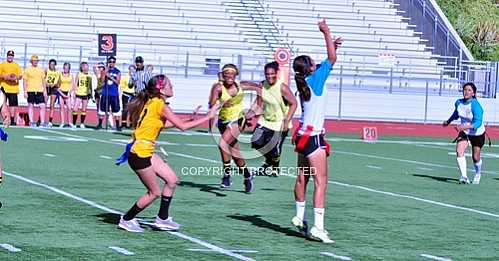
82, 126
320, 235
464, 180
166, 224
301, 225
130, 225
476, 179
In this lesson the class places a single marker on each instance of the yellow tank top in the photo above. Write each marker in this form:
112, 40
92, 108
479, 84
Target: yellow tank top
53, 76
275, 109
234, 111
66, 82
148, 128
124, 85
84, 84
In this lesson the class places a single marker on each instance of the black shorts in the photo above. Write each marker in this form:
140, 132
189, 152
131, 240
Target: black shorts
65, 93
138, 163
476, 141
314, 143
114, 102
267, 140
222, 126
52, 90
36, 97
11, 99
83, 97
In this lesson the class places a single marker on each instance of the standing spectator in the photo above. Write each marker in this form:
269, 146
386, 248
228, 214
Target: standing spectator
128, 92
10, 74
82, 89
64, 89
34, 90
110, 94
100, 73
53, 82
141, 76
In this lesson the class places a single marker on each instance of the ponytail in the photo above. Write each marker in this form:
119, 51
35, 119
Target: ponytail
135, 107
302, 67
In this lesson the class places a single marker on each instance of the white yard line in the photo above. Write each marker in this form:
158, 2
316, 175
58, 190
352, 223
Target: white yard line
437, 203
122, 251
49, 155
345, 258
10, 248
436, 257
107, 209
105, 157
232, 250
373, 167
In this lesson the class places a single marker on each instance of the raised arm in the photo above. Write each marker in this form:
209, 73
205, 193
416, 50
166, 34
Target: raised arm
330, 44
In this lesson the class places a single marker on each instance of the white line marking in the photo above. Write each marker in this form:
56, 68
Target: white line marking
10, 248
361, 187
346, 258
233, 251
102, 207
373, 167
483, 155
122, 251
436, 257
425, 169
104, 157
49, 155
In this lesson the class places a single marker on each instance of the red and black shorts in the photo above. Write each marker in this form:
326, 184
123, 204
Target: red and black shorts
313, 144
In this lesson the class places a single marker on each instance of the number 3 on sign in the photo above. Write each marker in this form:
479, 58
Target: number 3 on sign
369, 133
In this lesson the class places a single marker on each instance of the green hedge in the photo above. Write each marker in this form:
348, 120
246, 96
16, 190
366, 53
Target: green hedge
477, 22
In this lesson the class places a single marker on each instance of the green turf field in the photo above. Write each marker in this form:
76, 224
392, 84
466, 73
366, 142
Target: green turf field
392, 200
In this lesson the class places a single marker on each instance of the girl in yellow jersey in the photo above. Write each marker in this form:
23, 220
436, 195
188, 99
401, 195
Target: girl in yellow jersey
53, 82
82, 88
148, 115
279, 105
229, 94
64, 89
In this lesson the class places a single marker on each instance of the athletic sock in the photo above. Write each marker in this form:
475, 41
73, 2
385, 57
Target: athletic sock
461, 163
117, 124
134, 211
319, 218
50, 119
75, 117
226, 168
300, 209
164, 207
12, 122
83, 115
244, 169
478, 167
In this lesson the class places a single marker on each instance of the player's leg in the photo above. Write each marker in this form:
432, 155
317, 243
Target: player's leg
461, 160
302, 178
83, 114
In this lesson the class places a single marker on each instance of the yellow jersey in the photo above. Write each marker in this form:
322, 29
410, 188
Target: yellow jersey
148, 128
234, 110
52, 77
275, 109
7, 68
66, 82
124, 85
84, 84
34, 77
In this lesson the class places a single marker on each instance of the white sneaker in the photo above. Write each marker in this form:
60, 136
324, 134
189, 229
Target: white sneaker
464, 180
166, 224
301, 225
50, 125
321, 235
72, 126
82, 126
476, 179
61, 126
130, 225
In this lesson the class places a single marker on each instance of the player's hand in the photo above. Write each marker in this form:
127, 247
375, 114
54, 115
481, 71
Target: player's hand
337, 42
445, 123
12, 77
323, 26
285, 126
213, 112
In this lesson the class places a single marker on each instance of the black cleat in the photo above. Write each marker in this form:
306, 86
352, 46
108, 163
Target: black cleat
226, 182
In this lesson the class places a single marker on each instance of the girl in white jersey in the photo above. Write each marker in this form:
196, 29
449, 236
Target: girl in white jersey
471, 130
309, 138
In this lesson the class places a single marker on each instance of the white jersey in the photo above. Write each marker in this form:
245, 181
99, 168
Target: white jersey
470, 113
313, 110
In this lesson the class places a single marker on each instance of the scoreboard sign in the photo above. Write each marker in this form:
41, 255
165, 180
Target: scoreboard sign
107, 44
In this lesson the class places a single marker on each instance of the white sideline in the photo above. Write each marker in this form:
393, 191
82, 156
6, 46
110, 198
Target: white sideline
102, 207
122, 251
345, 258
436, 257
345, 184
10, 248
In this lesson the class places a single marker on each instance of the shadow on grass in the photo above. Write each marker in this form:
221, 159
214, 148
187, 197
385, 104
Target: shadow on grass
109, 218
257, 220
210, 188
441, 179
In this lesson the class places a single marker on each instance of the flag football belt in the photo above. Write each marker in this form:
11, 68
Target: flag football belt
301, 142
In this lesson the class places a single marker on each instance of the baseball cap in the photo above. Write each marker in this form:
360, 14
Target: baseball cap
139, 59
34, 57
10, 52
100, 64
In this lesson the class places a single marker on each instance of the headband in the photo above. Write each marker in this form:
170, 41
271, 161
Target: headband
229, 69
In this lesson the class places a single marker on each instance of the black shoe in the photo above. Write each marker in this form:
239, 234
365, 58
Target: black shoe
118, 128
248, 185
226, 182
264, 170
98, 127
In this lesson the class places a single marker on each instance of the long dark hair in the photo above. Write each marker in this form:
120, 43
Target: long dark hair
302, 67
473, 87
151, 91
